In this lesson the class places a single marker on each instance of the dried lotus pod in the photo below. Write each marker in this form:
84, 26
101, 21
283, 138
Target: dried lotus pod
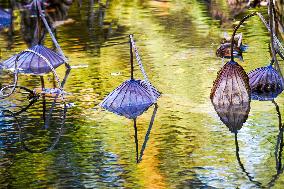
265, 83
130, 99
30, 63
231, 85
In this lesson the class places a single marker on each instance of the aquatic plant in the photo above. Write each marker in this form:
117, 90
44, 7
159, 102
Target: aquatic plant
38, 59
133, 97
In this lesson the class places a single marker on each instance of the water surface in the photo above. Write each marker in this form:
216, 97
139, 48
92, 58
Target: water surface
189, 147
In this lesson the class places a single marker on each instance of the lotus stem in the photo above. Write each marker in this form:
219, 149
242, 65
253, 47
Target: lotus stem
38, 4
272, 33
131, 56
235, 31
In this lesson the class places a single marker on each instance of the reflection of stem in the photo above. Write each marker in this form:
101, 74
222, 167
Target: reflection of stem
43, 99
278, 113
136, 139
148, 132
56, 140
234, 33
26, 108
18, 125
61, 129
241, 164
279, 167
54, 102
279, 139
279, 145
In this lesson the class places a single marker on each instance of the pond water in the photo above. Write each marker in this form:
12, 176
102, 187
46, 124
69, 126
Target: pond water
188, 146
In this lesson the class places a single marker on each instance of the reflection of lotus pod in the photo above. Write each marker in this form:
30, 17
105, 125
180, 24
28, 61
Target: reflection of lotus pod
231, 85
5, 19
233, 115
130, 99
265, 83
30, 63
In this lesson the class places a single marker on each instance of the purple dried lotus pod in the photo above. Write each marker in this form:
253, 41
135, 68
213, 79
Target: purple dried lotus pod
30, 63
231, 86
233, 115
265, 83
130, 99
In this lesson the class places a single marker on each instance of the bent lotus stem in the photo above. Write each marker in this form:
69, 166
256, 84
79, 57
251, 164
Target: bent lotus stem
14, 86
235, 31
139, 61
276, 40
272, 33
49, 64
38, 4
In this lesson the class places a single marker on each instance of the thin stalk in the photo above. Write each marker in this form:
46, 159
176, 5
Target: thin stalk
272, 33
43, 99
38, 4
131, 59
235, 31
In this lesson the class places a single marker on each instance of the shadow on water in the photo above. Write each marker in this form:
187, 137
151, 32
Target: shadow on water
147, 135
278, 149
21, 130
234, 116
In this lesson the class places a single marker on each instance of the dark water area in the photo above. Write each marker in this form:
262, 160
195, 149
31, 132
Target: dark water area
80, 145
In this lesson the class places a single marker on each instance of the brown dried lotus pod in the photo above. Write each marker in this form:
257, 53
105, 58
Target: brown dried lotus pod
231, 86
